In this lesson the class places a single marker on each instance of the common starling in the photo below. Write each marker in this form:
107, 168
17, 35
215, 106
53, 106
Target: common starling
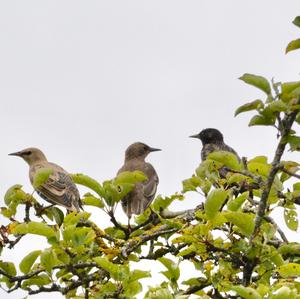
139, 199
59, 188
212, 140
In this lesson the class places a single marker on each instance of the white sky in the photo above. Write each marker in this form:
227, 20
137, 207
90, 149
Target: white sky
83, 79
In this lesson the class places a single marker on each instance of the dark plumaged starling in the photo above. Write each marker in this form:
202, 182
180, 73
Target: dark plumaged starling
59, 189
212, 140
139, 199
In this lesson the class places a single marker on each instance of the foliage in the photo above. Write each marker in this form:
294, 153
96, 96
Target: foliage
234, 244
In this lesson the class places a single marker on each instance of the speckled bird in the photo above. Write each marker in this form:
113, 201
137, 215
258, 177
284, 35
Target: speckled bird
59, 189
213, 140
139, 199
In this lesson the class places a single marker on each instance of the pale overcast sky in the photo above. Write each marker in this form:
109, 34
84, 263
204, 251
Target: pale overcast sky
83, 79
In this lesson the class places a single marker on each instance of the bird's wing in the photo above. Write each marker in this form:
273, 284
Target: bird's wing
150, 185
138, 200
60, 189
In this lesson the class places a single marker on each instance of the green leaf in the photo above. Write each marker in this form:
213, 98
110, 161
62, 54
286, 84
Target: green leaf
15, 194
158, 293
291, 219
214, 202
139, 274
255, 105
28, 261
236, 203
49, 260
173, 272
283, 293
287, 270
294, 142
130, 177
117, 272
91, 200
88, 182
39, 280
41, 176
244, 221
57, 214
257, 81
8, 267
289, 249
260, 120
246, 292
225, 159
36, 228
293, 45
297, 21
277, 106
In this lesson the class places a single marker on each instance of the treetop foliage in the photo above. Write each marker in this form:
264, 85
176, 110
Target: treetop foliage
237, 249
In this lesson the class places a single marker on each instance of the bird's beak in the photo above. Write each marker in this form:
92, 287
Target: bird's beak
151, 149
194, 136
18, 154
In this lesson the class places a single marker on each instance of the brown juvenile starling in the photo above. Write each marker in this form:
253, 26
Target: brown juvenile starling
59, 188
139, 199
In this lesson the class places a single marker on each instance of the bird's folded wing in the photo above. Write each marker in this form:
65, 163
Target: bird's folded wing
149, 189
60, 189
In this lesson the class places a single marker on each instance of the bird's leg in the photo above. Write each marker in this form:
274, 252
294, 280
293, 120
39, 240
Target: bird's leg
129, 226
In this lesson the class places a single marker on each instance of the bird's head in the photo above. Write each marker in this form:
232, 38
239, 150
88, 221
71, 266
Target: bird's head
209, 135
139, 150
30, 155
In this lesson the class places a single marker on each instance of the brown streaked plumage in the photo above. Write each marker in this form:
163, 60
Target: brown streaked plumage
139, 199
59, 188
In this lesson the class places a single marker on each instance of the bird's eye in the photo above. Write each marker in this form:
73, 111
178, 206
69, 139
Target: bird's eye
28, 153
145, 148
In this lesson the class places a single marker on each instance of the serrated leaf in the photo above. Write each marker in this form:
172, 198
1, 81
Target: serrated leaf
28, 261
291, 269
41, 176
214, 202
249, 106
257, 81
293, 45
291, 219
88, 182
244, 221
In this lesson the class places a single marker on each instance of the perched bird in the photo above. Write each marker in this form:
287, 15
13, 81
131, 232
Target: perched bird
59, 188
139, 199
212, 140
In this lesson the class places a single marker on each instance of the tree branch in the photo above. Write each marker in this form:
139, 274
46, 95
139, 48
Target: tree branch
288, 120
